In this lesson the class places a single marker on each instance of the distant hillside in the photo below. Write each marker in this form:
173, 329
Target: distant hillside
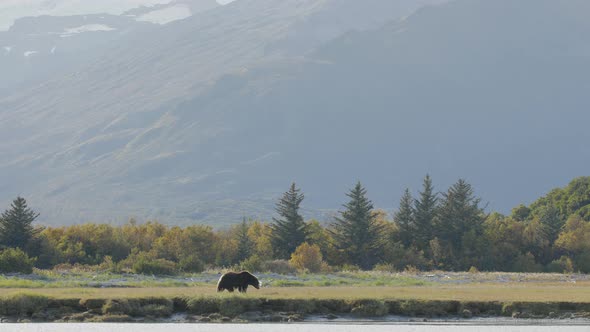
48, 41
211, 117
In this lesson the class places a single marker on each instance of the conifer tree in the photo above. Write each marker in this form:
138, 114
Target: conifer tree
245, 244
460, 220
356, 232
404, 219
16, 225
424, 213
289, 231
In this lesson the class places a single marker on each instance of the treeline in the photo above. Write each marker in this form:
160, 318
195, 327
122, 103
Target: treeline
430, 230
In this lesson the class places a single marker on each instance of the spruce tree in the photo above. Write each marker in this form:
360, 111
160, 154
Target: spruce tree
16, 225
356, 232
245, 244
404, 219
460, 220
424, 213
289, 231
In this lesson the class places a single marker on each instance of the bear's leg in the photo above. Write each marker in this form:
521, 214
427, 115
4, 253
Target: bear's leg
230, 289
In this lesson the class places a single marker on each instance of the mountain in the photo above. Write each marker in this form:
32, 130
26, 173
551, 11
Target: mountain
210, 118
39, 48
12, 10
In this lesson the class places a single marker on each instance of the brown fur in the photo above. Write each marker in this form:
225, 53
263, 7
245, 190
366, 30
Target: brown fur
239, 281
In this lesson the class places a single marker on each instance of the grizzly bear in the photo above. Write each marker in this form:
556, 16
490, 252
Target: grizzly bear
240, 281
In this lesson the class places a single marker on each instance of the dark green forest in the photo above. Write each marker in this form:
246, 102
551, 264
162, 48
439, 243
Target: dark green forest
430, 230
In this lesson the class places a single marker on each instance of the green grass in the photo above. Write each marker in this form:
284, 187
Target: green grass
508, 292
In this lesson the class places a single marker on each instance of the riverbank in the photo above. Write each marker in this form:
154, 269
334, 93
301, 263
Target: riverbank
252, 308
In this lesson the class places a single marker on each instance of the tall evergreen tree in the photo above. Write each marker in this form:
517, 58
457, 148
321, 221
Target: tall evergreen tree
289, 231
356, 232
245, 244
16, 225
404, 219
424, 213
460, 223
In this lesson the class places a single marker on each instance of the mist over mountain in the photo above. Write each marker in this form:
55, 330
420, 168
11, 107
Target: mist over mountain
211, 117
50, 43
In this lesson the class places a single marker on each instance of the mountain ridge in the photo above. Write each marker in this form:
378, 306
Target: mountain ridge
214, 145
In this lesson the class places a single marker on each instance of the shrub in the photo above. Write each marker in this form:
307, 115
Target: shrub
384, 267
562, 265
307, 257
202, 305
526, 263
279, 266
235, 305
15, 260
109, 265
370, 308
157, 310
473, 269
191, 263
160, 266
23, 304
349, 268
119, 307
252, 264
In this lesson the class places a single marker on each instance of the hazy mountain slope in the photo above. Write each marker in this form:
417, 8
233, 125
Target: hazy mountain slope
212, 117
448, 92
12, 10
44, 47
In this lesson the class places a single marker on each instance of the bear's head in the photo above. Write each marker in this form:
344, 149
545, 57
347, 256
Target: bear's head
251, 279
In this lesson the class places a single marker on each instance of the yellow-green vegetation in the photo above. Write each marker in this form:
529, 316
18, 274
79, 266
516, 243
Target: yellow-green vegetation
119, 305
430, 231
537, 292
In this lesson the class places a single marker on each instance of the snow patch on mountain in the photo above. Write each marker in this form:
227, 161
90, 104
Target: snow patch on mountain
86, 28
166, 15
11, 10
29, 53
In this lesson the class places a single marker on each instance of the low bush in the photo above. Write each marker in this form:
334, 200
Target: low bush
122, 307
191, 264
279, 266
23, 304
307, 258
233, 306
370, 308
202, 305
252, 264
561, 265
157, 310
15, 260
384, 267
159, 266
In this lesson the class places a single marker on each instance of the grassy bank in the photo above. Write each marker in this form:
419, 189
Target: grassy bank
507, 292
80, 278
288, 297
240, 308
